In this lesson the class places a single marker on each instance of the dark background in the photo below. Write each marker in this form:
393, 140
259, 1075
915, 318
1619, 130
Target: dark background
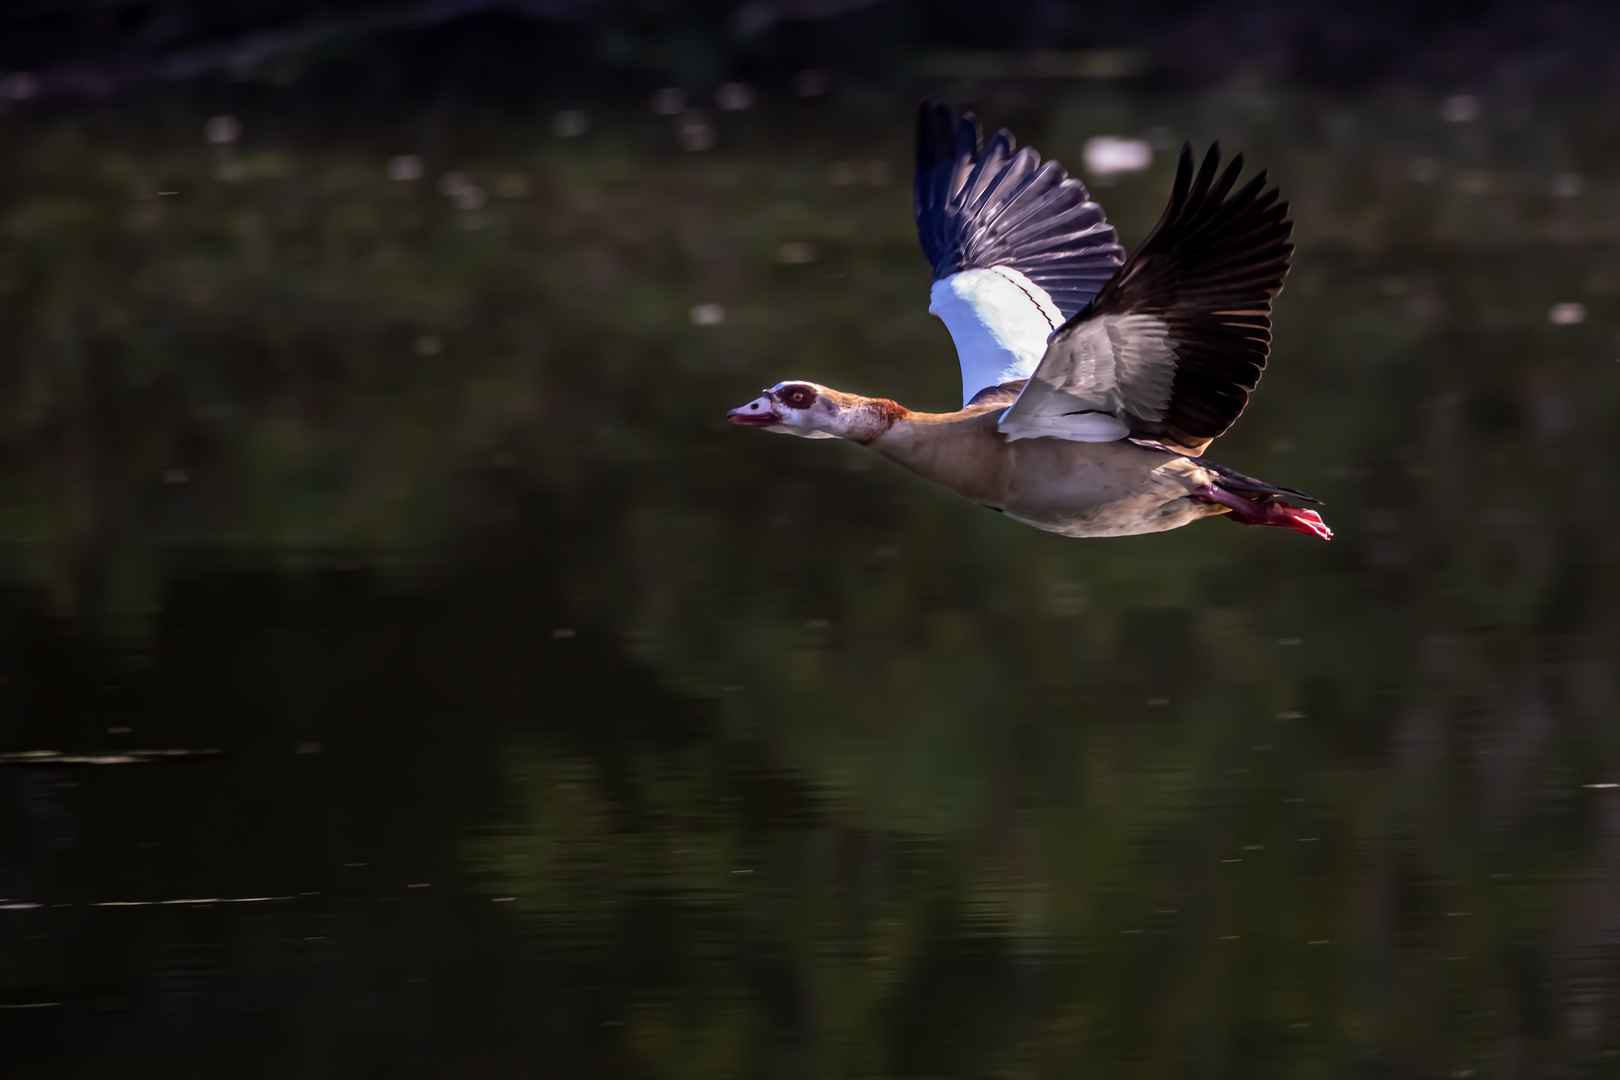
515, 47
536, 722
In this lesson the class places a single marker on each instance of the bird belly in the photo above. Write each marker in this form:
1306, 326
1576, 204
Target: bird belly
1128, 517
1098, 489
1073, 488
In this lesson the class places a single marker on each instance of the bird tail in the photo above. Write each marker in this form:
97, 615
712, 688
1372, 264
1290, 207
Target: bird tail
1248, 486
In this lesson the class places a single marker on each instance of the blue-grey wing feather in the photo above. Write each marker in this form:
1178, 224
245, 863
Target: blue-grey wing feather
985, 205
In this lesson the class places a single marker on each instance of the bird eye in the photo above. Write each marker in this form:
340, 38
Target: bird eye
797, 397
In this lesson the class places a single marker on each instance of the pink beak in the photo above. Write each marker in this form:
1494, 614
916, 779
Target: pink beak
761, 412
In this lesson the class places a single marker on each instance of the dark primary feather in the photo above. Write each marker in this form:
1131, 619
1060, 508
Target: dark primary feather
994, 205
1209, 269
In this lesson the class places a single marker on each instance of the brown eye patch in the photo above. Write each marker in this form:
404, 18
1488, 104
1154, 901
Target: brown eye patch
796, 397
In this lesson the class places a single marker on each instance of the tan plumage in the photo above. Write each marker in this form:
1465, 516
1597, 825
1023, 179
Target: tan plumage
1073, 488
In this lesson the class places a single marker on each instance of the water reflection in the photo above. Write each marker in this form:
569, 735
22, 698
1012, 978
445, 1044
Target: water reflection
560, 725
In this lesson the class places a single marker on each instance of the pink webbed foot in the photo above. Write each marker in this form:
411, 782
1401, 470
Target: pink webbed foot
1271, 512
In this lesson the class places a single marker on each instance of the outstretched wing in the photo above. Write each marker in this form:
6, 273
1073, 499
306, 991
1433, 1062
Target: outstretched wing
1172, 346
1016, 245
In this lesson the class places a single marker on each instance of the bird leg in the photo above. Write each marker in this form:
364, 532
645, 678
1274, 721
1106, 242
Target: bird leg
1269, 511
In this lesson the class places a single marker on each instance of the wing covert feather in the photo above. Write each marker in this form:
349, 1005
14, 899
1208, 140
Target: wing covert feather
1175, 342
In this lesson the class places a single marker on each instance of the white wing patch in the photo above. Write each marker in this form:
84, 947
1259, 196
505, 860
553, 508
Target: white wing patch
999, 320
1092, 377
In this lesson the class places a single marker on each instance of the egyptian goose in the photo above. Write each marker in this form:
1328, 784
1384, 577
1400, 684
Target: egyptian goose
1091, 383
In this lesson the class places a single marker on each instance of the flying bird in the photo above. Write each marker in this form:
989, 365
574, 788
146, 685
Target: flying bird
1091, 383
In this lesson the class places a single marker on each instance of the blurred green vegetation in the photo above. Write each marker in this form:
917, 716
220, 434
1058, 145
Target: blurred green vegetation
964, 798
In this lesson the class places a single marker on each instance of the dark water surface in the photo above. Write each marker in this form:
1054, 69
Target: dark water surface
554, 728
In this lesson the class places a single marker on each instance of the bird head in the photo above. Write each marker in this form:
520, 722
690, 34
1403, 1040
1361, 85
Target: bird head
813, 411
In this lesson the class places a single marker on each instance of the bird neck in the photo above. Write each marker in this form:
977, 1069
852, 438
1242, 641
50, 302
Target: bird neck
866, 420
960, 450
